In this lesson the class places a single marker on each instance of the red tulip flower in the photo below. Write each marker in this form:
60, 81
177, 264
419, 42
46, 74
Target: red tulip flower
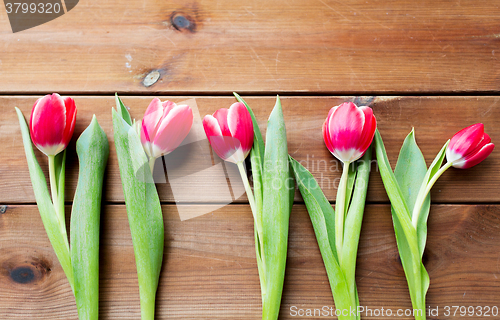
52, 123
230, 132
164, 126
348, 131
469, 147
51, 127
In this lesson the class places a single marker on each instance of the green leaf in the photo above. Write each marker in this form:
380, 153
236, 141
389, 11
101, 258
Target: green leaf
390, 183
276, 210
410, 173
57, 236
122, 110
313, 196
323, 220
93, 150
406, 236
436, 163
424, 212
256, 163
353, 223
143, 210
256, 160
410, 170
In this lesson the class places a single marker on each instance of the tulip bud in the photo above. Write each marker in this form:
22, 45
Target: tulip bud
164, 126
469, 147
52, 123
230, 132
348, 131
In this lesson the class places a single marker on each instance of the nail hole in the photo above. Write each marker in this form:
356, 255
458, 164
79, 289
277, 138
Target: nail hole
151, 78
3, 209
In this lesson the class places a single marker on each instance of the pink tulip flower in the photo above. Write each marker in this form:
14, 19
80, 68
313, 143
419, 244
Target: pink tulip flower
230, 132
52, 123
348, 131
469, 147
164, 126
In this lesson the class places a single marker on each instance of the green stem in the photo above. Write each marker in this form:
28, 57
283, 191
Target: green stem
250, 197
53, 183
152, 164
419, 309
148, 309
55, 197
60, 215
424, 191
257, 222
246, 183
340, 209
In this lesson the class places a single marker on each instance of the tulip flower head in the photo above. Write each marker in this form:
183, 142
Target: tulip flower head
52, 123
164, 126
469, 147
348, 131
230, 132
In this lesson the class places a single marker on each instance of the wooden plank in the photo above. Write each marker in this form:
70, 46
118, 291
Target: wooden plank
281, 46
435, 120
210, 270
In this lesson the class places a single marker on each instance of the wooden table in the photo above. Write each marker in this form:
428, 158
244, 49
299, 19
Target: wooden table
431, 65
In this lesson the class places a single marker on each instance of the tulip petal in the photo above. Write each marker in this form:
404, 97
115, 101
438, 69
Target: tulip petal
326, 130
167, 104
368, 129
47, 124
167, 107
173, 129
70, 119
227, 148
241, 126
332, 111
211, 126
151, 119
348, 155
465, 141
145, 139
475, 158
326, 136
346, 126
486, 139
221, 116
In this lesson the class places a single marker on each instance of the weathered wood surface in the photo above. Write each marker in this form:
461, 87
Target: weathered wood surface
257, 46
210, 270
435, 120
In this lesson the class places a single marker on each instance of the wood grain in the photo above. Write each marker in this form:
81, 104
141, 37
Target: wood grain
435, 120
218, 46
210, 271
